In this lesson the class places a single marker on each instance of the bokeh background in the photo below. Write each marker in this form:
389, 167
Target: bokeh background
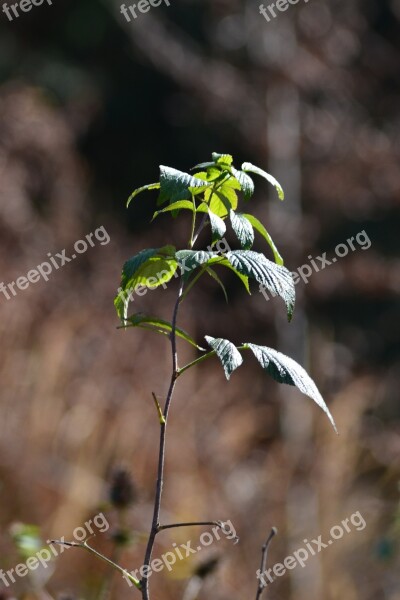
90, 105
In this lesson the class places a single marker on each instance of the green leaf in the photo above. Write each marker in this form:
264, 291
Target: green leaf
161, 326
225, 159
215, 276
276, 279
191, 259
258, 226
252, 169
218, 227
243, 229
232, 182
150, 186
222, 200
175, 185
228, 354
149, 268
246, 183
223, 262
181, 204
285, 370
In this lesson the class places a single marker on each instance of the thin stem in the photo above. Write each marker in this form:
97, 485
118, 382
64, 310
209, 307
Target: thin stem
192, 241
86, 546
196, 361
193, 524
200, 229
264, 556
161, 455
106, 588
220, 524
204, 357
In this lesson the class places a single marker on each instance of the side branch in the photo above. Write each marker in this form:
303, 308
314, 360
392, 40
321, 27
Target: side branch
264, 555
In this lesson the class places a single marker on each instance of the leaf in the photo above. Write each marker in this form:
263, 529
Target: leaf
150, 186
223, 262
276, 279
215, 276
191, 259
286, 370
218, 227
232, 182
222, 200
243, 229
246, 183
181, 204
161, 326
252, 169
258, 226
225, 159
228, 354
175, 185
149, 268
204, 165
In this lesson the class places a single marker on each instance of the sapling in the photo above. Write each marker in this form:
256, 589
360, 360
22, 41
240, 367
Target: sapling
211, 195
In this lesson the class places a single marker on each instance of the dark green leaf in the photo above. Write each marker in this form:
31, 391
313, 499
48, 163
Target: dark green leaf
175, 185
228, 354
258, 226
191, 259
243, 229
218, 227
276, 279
246, 182
285, 370
252, 169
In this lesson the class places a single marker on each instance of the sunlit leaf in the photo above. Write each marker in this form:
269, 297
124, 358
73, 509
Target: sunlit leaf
246, 182
258, 226
243, 229
227, 352
276, 279
286, 370
248, 167
218, 226
174, 185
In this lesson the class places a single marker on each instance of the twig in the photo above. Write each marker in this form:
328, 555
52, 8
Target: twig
86, 546
158, 408
220, 524
264, 555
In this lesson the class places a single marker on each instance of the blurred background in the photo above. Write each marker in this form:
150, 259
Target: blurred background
90, 105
